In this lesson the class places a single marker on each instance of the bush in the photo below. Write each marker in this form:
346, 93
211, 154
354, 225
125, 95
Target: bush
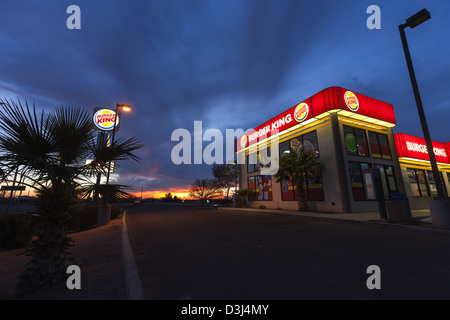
16, 229
85, 217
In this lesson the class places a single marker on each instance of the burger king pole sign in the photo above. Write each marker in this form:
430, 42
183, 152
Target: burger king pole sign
104, 119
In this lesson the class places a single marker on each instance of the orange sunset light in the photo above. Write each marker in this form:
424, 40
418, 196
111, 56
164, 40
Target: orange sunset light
158, 194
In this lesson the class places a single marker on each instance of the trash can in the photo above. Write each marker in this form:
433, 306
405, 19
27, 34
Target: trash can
398, 208
440, 213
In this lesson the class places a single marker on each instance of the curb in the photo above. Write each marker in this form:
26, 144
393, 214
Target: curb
133, 282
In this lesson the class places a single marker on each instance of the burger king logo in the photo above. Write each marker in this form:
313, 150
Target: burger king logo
351, 101
243, 141
104, 119
301, 112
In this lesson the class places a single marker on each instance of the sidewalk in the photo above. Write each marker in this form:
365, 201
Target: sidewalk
98, 253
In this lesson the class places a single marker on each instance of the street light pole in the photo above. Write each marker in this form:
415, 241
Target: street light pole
112, 141
412, 22
235, 175
125, 108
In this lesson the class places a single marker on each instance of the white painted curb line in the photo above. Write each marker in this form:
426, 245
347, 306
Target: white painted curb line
133, 283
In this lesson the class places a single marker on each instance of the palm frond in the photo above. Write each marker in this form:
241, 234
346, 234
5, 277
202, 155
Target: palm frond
110, 193
71, 131
24, 138
103, 154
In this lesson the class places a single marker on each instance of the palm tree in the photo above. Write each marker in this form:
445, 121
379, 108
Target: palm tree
50, 151
295, 166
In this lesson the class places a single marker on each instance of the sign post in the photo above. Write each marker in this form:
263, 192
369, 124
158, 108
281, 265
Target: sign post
13, 188
10, 196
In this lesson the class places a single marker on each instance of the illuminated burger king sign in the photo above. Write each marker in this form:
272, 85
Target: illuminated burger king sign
104, 119
416, 148
301, 112
278, 124
243, 141
351, 101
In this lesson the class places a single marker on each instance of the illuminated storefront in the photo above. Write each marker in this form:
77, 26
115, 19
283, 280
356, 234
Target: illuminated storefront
416, 169
349, 132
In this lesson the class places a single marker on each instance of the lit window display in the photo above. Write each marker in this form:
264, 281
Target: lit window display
418, 182
379, 145
313, 189
356, 141
260, 188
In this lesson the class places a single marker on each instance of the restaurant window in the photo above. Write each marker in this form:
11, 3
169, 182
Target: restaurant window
363, 188
313, 189
263, 159
252, 162
308, 140
260, 188
263, 187
356, 141
418, 182
283, 147
357, 180
252, 188
287, 190
258, 160
432, 183
379, 145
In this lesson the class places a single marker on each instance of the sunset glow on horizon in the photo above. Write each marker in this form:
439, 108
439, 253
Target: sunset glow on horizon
155, 194
158, 194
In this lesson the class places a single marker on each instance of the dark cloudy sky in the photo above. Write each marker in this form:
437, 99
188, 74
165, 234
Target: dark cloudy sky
228, 63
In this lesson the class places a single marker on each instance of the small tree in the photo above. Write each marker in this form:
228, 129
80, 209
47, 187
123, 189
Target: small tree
295, 166
167, 197
225, 176
242, 195
204, 189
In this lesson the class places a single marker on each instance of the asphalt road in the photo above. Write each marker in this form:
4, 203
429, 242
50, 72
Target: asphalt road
207, 254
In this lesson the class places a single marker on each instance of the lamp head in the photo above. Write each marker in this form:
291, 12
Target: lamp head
125, 107
421, 16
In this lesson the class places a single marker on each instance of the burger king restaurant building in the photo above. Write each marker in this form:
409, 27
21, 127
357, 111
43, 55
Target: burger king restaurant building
416, 169
351, 134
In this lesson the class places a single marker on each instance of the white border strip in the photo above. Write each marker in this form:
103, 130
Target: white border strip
133, 283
